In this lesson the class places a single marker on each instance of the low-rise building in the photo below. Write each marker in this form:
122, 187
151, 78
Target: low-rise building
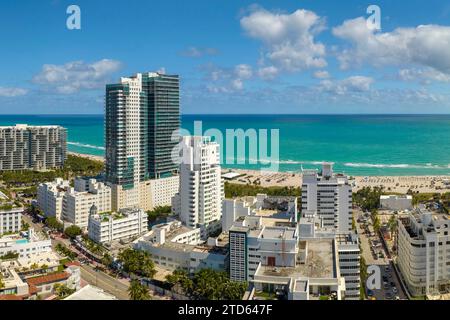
90, 293
125, 224
10, 220
24, 246
261, 204
396, 202
423, 252
175, 246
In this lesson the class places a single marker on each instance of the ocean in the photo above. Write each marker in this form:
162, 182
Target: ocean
358, 144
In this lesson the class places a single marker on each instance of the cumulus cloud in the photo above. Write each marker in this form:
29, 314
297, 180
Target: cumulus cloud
268, 73
12, 92
321, 74
228, 80
73, 76
344, 86
288, 39
425, 45
243, 71
196, 52
424, 76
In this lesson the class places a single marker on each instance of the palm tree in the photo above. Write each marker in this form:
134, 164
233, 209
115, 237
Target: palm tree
138, 291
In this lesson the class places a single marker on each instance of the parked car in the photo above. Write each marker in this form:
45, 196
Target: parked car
369, 293
388, 296
385, 285
394, 290
387, 269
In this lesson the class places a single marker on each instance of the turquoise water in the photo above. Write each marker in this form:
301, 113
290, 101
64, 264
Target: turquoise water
22, 241
358, 144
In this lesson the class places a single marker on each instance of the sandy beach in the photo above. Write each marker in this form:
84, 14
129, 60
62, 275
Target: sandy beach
396, 184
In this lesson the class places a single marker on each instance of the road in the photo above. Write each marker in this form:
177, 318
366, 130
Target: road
105, 282
388, 275
97, 278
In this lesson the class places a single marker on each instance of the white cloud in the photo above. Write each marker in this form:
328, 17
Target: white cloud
73, 76
321, 74
344, 86
268, 73
196, 52
288, 39
243, 71
12, 92
425, 75
425, 45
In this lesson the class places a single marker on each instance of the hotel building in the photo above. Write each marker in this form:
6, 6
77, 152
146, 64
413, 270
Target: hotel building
424, 253
328, 196
199, 201
50, 197
78, 202
10, 220
142, 120
125, 224
32, 147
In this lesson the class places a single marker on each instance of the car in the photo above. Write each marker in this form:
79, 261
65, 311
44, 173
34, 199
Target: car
369, 293
387, 269
392, 284
397, 298
394, 290
388, 296
386, 285
390, 274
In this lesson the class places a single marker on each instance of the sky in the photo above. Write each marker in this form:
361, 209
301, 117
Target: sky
233, 57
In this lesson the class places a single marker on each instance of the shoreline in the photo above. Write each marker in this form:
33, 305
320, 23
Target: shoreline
395, 184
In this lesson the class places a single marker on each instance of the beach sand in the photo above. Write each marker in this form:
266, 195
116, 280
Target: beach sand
395, 184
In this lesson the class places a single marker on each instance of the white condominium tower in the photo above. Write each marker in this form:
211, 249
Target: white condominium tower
199, 201
329, 197
142, 114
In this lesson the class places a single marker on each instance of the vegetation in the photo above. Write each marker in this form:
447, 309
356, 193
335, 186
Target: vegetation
368, 199
138, 291
363, 276
9, 255
207, 284
73, 231
62, 249
2, 284
158, 213
62, 290
233, 190
137, 262
73, 166
107, 260
53, 224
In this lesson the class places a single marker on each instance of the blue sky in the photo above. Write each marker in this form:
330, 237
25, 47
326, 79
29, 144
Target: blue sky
280, 56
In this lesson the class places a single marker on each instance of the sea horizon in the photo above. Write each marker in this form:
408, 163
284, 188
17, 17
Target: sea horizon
358, 144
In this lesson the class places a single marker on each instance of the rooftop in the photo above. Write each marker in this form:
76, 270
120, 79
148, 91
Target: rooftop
89, 292
320, 263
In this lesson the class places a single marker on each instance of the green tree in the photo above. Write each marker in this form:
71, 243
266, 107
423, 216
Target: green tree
54, 224
62, 290
2, 284
138, 291
73, 231
137, 262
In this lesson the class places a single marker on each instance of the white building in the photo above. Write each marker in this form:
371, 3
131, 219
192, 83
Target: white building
125, 224
162, 190
232, 209
78, 202
24, 246
396, 202
329, 197
10, 220
423, 253
175, 246
50, 197
89, 292
199, 201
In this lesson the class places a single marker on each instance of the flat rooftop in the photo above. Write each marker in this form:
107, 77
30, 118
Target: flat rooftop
278, 233
320, 263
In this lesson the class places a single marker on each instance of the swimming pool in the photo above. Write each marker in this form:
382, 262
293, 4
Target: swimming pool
22, 241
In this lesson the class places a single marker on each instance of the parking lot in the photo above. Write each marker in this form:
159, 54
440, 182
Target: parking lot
374, 253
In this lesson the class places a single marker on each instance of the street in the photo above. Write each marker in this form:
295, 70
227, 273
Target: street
390, 284
88, 273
